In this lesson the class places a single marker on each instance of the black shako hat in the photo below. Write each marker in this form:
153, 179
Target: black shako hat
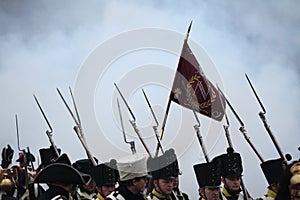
62, 173
231, 164
48, 155
273, 169
164, 166
208, 174
105, 174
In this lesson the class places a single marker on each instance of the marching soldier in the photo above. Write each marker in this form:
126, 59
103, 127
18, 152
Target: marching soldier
163, 170
23, 174
62, 179
272, 169
231, 172
87, 191
132, 183
209, 180
106, 176
8, 175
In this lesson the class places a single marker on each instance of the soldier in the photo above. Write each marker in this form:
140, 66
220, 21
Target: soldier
132, 183
209, 180
63, 180
87, 191
272, 169
8, 175
231, 172
22, 187
289, 185
106, 176
163, 170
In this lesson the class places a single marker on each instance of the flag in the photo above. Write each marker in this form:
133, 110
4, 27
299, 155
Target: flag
193, 90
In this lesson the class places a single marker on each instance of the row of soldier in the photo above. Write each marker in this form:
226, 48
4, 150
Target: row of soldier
138, 177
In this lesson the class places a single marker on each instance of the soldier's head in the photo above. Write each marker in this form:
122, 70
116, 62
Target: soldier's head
209, 179
163, 170
273, 170
231, 169
106, 177
132, 172
62, 175
85, 166
25, 156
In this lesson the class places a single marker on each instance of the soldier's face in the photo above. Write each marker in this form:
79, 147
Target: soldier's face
175, 182
164, 186
232, 183
106, 190
140, 184
211, 193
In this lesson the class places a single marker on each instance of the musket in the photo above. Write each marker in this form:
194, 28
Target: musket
197, 128
155, 127
264, 120
133, 122
77, 128
132, 146
50, 131
226, 129
26, 194
242, 128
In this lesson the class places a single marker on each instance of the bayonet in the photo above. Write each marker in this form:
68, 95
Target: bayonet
50, 131
242, 127
133, 122
26, 194
155, 127
77, 128
132, 146
264, 120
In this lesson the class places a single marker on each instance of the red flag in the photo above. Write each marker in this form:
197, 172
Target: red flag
193, 90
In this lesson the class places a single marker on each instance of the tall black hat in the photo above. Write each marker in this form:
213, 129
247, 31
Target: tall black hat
208, 174
62, 173
231, 164
165, 166
273, 169
105, 173
48, 155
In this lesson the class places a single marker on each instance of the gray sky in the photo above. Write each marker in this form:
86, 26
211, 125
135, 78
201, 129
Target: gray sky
46, 45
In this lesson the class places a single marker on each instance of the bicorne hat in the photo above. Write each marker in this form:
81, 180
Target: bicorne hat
62, 173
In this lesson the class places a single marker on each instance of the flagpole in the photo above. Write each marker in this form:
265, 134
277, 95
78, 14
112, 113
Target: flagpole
169, 101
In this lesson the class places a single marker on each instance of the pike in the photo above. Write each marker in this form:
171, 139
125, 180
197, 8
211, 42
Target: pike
242, 128
77, 128
132, 146
155, 127
133, 122
26, 194
264, 120
50, 131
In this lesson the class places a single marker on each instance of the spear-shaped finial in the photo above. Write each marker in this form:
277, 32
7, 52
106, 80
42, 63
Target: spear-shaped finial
188, 31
